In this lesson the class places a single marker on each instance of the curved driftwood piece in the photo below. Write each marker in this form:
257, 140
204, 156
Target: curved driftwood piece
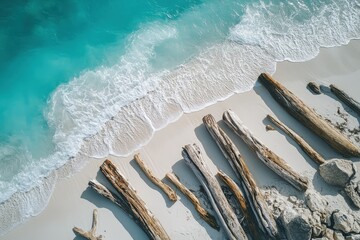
210, 219
153, 226
226, 215
309, 117
264, 219
273, 161
250, 221
166, 189
90, 235
314, 87
345, 98
313, 154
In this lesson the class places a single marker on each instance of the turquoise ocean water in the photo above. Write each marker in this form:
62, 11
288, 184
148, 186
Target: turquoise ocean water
81, 76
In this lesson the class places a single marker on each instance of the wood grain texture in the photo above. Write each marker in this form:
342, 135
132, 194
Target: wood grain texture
308, 117
268, 157
210, 219
226, 215
263, 217
310, 151
164, 187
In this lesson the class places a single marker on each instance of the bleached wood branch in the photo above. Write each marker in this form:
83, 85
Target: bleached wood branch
227, 217
268, 157
194, 200
90, 235
309, 117
263, 217
166, 189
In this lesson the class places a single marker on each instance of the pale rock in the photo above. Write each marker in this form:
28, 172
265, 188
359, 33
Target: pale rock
352, 189
338, 236
296, 227
343, 221
353, 237
315, 201
329, 234
337, 172
292, 199
356, 226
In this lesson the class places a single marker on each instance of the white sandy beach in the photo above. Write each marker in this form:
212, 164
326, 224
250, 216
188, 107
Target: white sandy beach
72, 202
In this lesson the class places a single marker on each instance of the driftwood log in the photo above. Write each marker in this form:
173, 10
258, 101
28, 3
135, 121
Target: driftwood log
345, 98
263, 217
120, 202
166, 189
273, 161
90, 235
227, 217
314, 87
153, 227
210, 219
249, 217
313, 154
309, 117
352, 188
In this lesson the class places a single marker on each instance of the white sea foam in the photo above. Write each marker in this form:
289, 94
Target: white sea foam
116, 109
295, 30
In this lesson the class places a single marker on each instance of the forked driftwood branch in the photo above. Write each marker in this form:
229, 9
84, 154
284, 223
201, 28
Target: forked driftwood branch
249, 218
194, 200
227, 217
273, 161
313, 154
90, 235
120, 202
309, 117
263, 217
153, 227
166, 189
345, 98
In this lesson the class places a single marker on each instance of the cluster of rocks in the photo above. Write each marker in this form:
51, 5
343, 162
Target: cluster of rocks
312, 217
342, 173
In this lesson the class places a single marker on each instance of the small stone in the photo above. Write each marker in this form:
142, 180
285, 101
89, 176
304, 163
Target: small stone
352, 189
356, 226
338, 235
292, 199
315, 201
337, 172
296, 227
318, 230
353, 237
269, 128
314, 87
343, 222
329, 233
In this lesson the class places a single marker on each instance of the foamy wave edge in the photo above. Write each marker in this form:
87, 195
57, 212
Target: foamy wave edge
176, 93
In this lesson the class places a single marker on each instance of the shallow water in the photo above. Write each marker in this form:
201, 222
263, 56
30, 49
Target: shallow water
112, 73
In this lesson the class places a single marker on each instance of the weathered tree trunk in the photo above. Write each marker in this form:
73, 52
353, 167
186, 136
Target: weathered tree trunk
250, 221
167, 190
309, 117
345, 98
227, 217
90, 235
155, 230
193, 199
273, 161
313, 154
254, 197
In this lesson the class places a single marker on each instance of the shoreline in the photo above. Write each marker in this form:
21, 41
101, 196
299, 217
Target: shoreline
71, 203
